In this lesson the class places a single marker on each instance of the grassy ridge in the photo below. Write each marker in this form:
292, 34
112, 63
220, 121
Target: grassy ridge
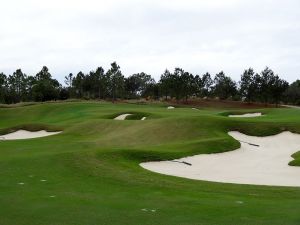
92, 167
296, 161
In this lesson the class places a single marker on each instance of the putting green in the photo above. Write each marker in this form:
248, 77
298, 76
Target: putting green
90, 173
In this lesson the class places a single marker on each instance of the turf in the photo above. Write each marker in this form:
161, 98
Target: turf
92, 169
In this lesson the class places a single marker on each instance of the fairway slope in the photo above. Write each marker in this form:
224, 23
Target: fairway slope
259, 161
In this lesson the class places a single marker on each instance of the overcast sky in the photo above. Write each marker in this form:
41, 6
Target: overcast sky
150, 36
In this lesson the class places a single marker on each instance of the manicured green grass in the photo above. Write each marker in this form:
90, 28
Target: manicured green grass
296, 161
93, 175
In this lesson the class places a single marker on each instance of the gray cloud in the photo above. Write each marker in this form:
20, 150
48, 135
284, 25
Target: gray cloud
150, 36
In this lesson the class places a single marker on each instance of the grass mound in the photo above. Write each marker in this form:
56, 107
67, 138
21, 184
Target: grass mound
296, 161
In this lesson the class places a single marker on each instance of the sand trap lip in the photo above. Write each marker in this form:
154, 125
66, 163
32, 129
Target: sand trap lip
247, 115
263, 164
122, 117
171, 107
24, 134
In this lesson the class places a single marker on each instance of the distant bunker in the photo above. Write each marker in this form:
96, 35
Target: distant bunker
24, 134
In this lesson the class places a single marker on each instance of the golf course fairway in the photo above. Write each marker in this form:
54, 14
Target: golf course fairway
89, 173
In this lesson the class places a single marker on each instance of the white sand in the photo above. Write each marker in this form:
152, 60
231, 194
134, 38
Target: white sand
144, 118
122, 117
171, 107
292, 106
247, 115
263, 165
24, 134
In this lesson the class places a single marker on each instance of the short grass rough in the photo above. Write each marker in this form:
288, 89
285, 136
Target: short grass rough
92, 173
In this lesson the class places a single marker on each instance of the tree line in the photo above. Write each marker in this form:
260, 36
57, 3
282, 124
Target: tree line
265, 87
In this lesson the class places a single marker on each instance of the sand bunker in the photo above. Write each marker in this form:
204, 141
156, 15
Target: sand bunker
292, 106
122, 117
171, 107
259, 161
247, 115
24, 134
144, 118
